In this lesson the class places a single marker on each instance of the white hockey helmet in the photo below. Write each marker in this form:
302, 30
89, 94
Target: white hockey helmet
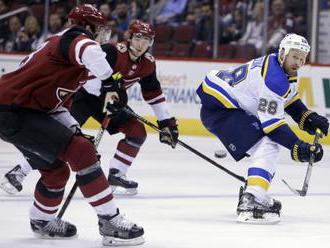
294, 41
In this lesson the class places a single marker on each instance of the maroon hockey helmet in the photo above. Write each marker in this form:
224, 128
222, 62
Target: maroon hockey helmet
87, 14
144, 28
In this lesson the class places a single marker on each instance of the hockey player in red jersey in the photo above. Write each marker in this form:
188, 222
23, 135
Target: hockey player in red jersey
33, 118
136, 65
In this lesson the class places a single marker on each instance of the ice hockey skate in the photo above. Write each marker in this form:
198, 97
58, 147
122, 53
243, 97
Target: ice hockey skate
252, 211
118, 231
11, 182
120, 184
55, 228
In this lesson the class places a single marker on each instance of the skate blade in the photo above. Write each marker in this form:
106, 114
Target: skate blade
112, 241
119, 191
6, 186
268, 219
45, 236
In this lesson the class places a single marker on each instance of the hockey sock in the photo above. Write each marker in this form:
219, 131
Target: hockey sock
96, 189
258, 182
124, 156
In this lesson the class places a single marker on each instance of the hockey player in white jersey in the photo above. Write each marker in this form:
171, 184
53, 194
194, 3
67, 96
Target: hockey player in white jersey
245, 109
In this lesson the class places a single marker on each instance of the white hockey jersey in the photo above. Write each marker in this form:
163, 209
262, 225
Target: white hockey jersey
260, 87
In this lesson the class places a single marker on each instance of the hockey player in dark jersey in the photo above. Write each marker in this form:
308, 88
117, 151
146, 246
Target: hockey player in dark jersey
34, 119
136, 65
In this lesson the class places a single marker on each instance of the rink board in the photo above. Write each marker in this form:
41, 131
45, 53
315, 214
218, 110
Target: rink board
180, 78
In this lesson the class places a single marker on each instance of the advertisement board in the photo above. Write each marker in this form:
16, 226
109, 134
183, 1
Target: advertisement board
180, 80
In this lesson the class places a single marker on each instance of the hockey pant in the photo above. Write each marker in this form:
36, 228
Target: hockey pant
86, 105
51, 147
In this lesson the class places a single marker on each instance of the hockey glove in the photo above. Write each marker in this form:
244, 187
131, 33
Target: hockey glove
115, 92
169, 131
117, 113
310, 121
302, 152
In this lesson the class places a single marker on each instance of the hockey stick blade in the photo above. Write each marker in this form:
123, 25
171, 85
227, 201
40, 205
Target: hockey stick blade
303, 191
294, 191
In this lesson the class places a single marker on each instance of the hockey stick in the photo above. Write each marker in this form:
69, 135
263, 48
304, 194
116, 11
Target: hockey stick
98, 138
153, 126
304, 189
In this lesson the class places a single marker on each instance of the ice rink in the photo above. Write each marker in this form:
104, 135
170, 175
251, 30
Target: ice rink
183, 201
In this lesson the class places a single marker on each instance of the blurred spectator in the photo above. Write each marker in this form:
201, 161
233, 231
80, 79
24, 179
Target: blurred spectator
62, 11
28, 37
234, 30
116, 35
204, 23
123, 16
14, 27
54, 26
171, 10
139, 9
3, 24
299, 8
226, 9
105, 9
279, 24
155, 9
254, 31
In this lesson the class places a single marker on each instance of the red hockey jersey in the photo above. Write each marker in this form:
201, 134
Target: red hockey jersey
142, 71
45, 78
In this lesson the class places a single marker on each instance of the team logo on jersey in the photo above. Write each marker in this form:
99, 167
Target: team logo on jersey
232, 147
62, 94
121, 47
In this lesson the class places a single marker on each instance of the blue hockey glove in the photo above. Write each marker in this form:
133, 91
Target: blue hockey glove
310, 121
302, 151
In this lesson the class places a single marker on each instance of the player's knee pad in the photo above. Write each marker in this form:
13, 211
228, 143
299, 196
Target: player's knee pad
55, 178
136, 142
134, 130
80, 153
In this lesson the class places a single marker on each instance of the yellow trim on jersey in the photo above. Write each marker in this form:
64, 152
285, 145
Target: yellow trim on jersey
287, 93
258, 181
274, 126
221, 98
295, 78
264, 72
297, 97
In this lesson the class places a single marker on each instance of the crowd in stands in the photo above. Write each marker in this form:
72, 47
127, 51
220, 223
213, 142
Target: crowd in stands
183, 28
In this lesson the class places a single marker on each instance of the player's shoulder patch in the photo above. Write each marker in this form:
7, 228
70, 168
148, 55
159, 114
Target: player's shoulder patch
121, 47
149, 57
274, 76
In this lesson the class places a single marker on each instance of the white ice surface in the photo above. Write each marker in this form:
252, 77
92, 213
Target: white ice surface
183, 201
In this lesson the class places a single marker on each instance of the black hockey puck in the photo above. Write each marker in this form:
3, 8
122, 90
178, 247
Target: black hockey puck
220, 153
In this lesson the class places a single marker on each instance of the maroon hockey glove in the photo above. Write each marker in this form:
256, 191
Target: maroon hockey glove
169, 131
